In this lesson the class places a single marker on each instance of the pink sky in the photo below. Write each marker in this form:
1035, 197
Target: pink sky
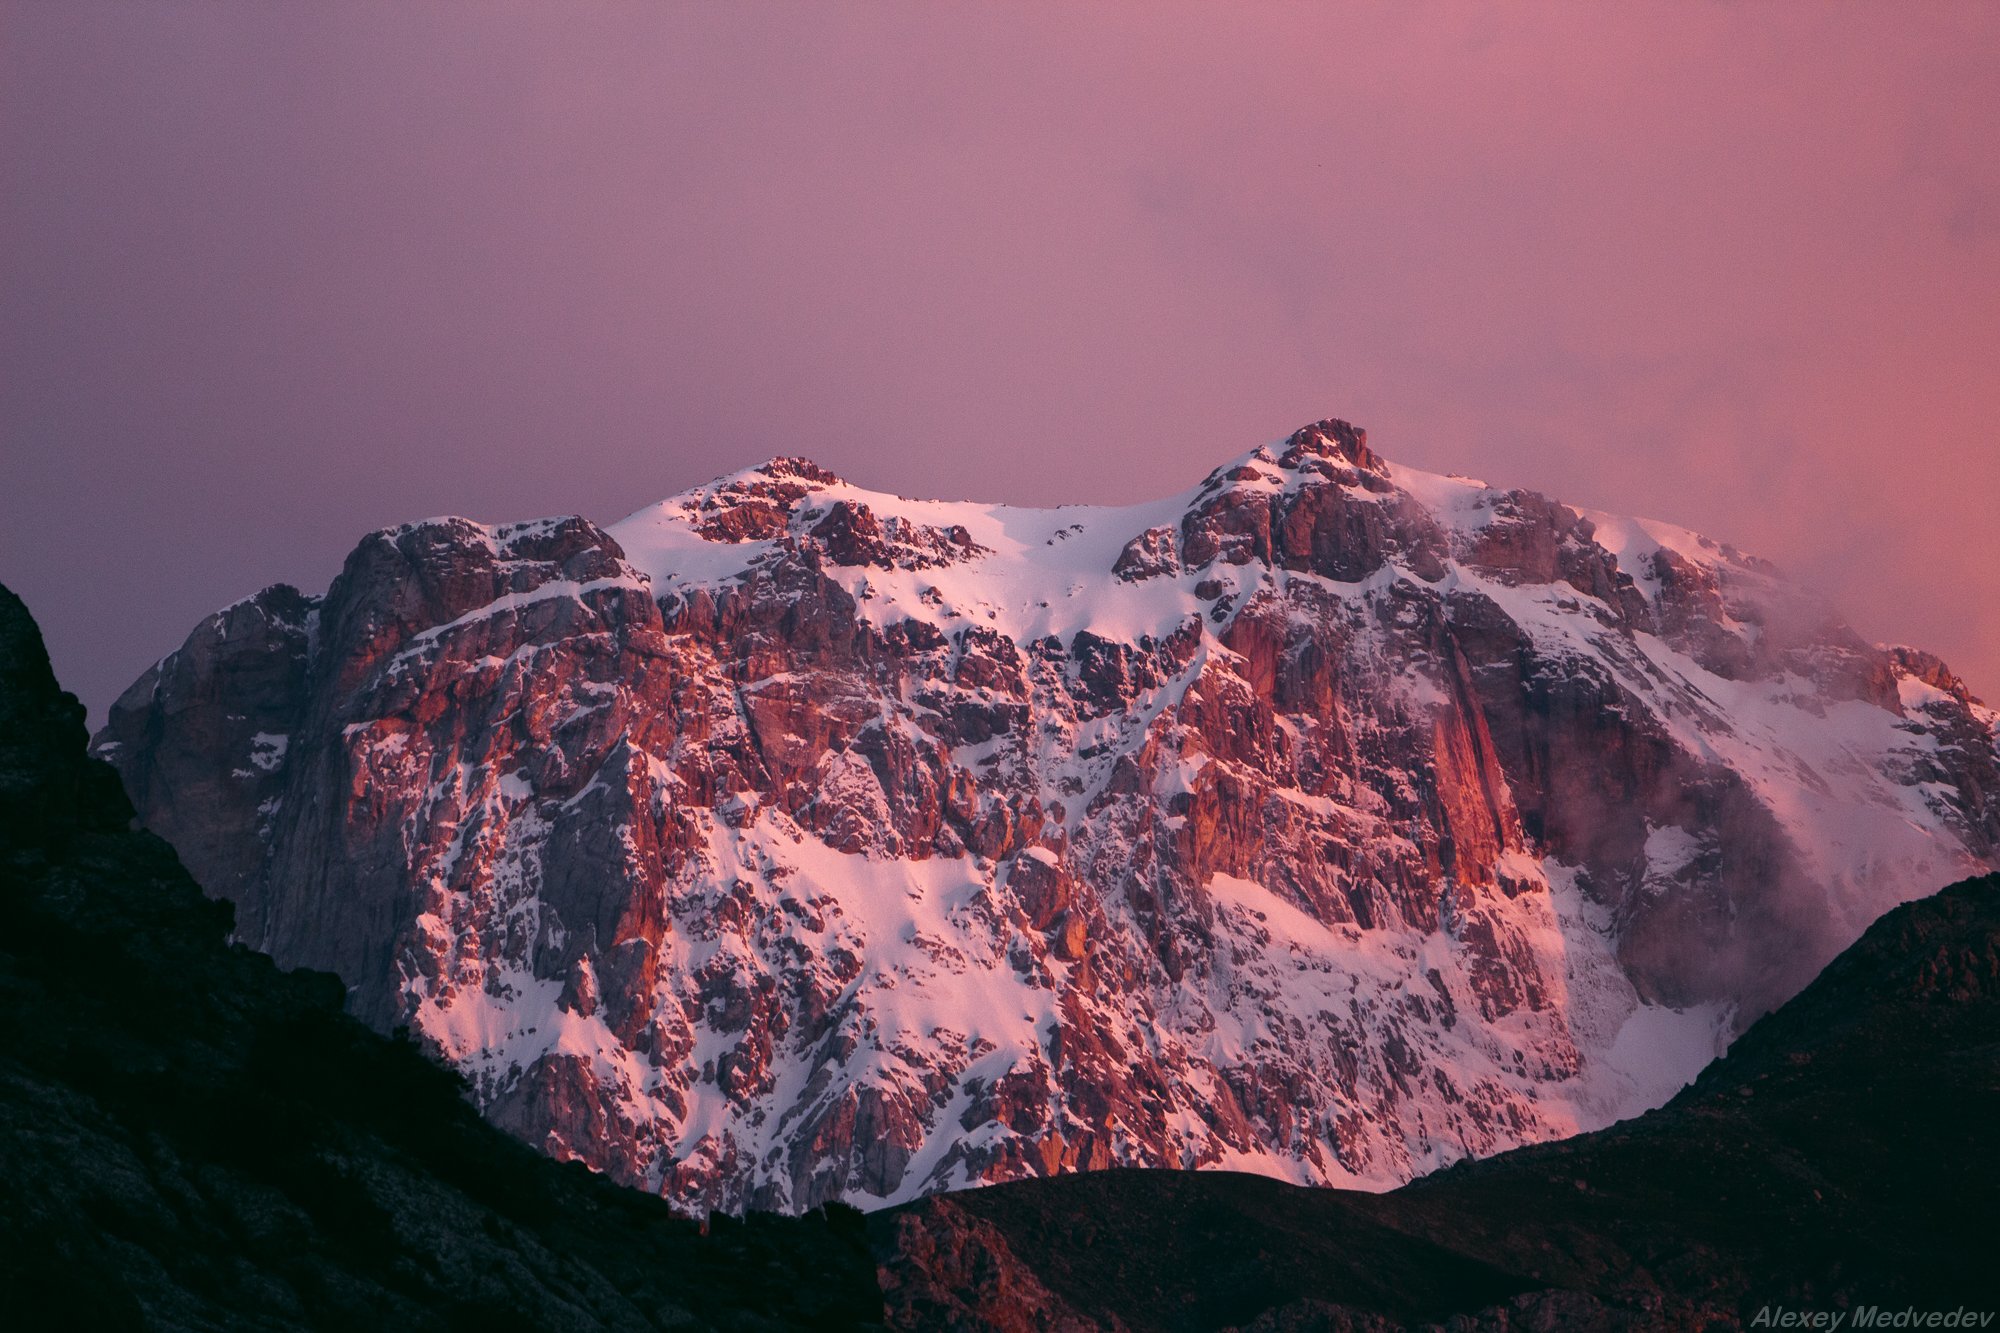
274, 275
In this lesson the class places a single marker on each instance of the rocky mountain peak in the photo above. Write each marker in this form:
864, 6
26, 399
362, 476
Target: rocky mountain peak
789, 841
801, 506
1334, 438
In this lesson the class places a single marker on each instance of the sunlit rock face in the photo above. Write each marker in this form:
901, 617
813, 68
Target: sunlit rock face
789, 841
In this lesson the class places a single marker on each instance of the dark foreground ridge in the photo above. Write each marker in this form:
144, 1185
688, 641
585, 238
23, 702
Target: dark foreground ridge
190, 1138
1839, 1158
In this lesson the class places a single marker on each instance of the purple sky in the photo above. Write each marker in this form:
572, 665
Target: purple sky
272, 275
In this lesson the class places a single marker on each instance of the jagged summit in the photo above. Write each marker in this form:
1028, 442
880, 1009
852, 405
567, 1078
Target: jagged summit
788, 841
748, 504
1320, 503
1338, 439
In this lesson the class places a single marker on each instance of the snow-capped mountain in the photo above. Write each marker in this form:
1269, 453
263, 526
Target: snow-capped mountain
788, 841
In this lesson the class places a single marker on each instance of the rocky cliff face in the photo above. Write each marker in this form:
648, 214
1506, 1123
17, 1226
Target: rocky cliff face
788, 842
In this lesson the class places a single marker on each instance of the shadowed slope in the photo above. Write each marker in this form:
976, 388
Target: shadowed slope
192, 1139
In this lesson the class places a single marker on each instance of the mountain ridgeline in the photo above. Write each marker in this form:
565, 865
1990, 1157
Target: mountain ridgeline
789, 842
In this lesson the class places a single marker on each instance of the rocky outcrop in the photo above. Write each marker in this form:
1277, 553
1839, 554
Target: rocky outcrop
788, 842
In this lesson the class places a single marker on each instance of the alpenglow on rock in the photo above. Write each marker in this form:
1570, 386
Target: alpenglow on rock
788, 842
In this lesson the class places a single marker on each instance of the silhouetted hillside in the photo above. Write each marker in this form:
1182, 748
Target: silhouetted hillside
190, 1138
